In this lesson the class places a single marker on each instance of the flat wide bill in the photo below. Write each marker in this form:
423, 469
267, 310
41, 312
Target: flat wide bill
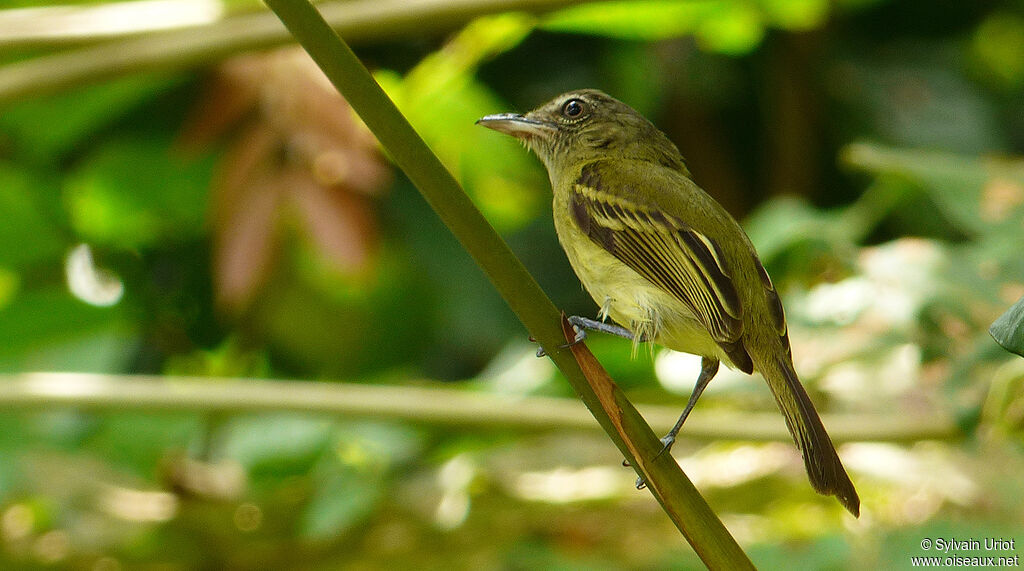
517, 125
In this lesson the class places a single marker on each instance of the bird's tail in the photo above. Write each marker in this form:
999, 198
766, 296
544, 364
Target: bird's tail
826, 472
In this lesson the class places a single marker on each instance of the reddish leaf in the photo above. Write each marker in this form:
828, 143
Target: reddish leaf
244, 244
339, 223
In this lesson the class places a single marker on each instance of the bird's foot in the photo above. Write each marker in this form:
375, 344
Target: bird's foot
582, 324
581, 335
667, 443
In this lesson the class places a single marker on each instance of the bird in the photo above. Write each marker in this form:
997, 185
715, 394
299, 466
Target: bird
665, 261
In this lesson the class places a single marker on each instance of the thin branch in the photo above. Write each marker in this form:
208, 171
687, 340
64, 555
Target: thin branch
433, 405
43, 26
359, 21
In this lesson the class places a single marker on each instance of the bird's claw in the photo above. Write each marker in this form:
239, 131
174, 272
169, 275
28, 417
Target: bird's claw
581, 336
667, 442
580, 327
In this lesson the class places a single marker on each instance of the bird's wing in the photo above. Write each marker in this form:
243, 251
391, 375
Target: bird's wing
665, 250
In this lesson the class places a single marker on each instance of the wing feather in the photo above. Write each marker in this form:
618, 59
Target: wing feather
665, 250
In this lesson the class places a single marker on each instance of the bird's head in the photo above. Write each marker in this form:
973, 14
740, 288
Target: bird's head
584, 125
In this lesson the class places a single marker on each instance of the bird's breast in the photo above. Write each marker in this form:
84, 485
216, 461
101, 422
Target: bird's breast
626, 296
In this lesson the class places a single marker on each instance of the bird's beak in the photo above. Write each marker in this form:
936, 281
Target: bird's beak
519, 126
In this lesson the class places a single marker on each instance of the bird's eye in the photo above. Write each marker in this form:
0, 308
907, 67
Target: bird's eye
572, 109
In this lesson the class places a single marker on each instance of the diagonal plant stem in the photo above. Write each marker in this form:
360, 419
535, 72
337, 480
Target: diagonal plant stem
624, 425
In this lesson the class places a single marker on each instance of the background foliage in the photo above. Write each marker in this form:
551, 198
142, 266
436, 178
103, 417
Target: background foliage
235, 220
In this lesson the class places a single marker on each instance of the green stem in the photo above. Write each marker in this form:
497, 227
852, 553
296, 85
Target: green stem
434, 405
680, 500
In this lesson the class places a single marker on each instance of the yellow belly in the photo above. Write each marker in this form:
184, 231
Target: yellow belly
632, 300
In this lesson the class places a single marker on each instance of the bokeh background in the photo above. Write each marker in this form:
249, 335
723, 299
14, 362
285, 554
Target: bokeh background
186, 204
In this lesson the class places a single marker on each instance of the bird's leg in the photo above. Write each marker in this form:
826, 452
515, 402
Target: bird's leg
708, 369
582, 324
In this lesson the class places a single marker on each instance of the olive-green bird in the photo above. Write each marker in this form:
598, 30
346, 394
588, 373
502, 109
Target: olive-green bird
665, 260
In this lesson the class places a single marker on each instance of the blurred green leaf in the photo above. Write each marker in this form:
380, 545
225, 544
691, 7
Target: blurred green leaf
1008, 330
795, 14
442, 98
344, 497
642, 86
279, 444
719, 25
229, 359
980, 195
446, 330
8, 286
26, 235
132, 193
45, 128
859, 4
376, 444
632, 20
106, 349
350, 480
735, 28
350, 328
1003, 409
785, 222
42, 320
140, 441
998, 46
